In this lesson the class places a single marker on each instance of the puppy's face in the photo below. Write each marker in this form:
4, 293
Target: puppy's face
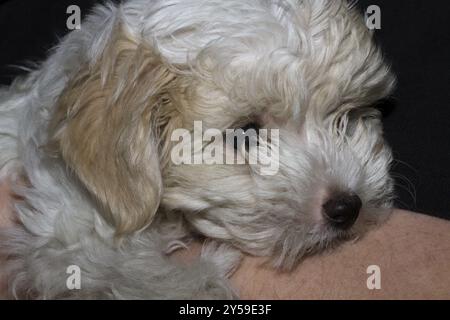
333, 172
331, 176
311, 76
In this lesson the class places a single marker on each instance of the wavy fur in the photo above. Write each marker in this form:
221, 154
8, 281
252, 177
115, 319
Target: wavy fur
85, 138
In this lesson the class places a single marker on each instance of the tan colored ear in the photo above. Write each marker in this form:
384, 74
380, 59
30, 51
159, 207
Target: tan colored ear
103, 129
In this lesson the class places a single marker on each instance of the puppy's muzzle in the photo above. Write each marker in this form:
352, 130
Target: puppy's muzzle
342, 210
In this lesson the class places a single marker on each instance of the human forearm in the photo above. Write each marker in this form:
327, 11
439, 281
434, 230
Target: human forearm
412, 251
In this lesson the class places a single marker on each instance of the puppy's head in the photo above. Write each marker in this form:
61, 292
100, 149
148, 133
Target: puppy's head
307, 71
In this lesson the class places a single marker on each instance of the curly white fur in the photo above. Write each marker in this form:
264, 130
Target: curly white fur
85, 140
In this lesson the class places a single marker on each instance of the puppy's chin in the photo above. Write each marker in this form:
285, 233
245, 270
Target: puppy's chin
297, 244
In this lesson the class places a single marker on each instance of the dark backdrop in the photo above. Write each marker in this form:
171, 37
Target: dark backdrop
415, 36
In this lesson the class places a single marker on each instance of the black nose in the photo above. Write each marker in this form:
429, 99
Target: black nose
342, 210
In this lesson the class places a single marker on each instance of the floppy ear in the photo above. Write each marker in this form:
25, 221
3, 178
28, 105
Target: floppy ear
103, 129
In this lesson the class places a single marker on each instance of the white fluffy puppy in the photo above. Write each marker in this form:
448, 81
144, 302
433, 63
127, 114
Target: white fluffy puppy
86, 141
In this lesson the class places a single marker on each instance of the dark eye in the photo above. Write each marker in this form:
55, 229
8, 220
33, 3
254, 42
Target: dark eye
348, 123
245, 134
250, 126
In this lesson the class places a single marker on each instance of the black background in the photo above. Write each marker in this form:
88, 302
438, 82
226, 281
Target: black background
415, 37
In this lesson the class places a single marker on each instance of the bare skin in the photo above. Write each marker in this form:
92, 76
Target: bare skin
5, 211
5, 220
412, 251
